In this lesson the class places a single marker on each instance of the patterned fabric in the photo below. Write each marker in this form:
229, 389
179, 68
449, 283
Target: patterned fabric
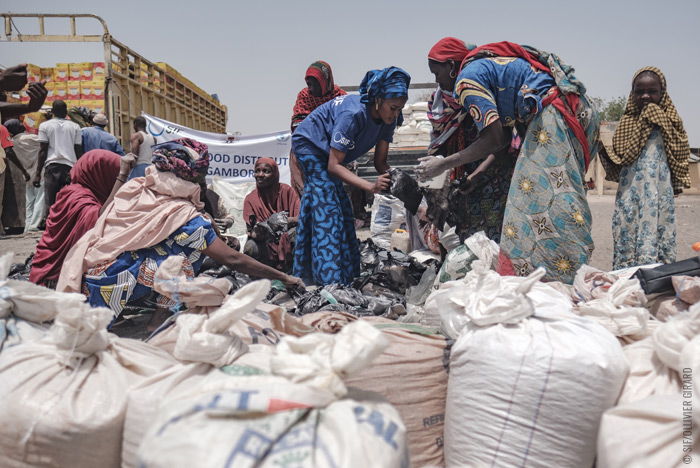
505, 88
306, 103
547, 221
633, 132
115, 283
327, 250
483, 208
446, 114
644, 222
186, 158
578, 117
387, 83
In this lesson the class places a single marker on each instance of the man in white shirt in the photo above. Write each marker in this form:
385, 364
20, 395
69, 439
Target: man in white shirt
27, 148
61, 146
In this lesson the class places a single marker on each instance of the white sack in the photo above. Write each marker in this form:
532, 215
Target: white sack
660, 430
387, 216
206, 342
529, 380
303, 413
25, 307
233, 196
657, 363
63, 398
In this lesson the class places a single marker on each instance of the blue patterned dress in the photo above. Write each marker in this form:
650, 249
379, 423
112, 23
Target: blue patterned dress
644, 221
114, 283
326, 249
547, 221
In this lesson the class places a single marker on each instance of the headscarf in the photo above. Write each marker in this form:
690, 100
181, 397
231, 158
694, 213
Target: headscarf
145, 211
75, 212
444, 111
450, 48
635, 126
264, 202
387, 83
306, 103
186, 158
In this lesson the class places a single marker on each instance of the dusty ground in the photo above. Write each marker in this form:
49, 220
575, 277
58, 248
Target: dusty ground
687, 225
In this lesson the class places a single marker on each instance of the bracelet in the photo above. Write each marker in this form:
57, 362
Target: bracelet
121, 180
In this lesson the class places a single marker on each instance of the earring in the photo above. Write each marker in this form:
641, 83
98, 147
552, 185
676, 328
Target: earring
376, 105
455, 74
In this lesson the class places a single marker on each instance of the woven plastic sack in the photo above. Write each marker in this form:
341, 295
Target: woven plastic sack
302, 413
659, 430
538, 357
459, 260
63, 398
205, 342
25, 308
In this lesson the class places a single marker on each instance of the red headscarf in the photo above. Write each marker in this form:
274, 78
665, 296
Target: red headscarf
450, 48
75, 212
306, 103
264, 202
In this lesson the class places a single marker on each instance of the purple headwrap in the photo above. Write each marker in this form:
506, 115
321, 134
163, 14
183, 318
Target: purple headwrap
186, 158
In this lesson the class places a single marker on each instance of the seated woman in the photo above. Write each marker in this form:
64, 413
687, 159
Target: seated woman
151, 219
95, 179
268, 198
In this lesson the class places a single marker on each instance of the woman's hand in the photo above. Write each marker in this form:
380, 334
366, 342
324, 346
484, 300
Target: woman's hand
429, 167
126, 163
223, 223
382, 184
294, 283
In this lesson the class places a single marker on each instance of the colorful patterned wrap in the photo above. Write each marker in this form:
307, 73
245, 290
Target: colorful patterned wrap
186, 158
547, 220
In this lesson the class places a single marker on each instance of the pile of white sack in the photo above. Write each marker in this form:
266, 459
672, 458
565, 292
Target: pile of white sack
491, 371
416, 127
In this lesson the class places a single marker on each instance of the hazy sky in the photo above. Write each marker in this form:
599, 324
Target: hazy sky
254, 53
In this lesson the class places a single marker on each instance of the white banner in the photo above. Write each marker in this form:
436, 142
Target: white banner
232, 158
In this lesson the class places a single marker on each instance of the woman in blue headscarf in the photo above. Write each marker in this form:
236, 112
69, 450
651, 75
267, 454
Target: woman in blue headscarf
336, 133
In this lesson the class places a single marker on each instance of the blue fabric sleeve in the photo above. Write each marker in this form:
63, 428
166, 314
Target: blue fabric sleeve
476, 98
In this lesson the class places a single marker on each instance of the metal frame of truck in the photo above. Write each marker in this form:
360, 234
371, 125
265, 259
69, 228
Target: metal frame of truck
126, 95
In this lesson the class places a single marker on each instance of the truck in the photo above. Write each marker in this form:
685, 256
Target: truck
122, 86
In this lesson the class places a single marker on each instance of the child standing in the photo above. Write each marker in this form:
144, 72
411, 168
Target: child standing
649, 159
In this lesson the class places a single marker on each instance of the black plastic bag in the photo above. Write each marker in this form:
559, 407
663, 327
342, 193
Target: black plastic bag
346, 295
405, 188
369, 256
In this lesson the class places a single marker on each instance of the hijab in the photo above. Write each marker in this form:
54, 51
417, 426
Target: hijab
636, 125
75, 211
306, 103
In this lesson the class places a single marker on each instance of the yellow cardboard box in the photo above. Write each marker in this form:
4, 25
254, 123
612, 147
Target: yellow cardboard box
75, 71
61, 72
73, 90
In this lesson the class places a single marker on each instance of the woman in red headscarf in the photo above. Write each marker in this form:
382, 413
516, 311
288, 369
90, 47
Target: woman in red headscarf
271, 247
484, 184
320, 89
95, 179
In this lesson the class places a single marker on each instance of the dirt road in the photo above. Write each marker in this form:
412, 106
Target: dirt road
687, 225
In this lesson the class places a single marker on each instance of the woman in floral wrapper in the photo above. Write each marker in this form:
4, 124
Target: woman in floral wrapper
505, 86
